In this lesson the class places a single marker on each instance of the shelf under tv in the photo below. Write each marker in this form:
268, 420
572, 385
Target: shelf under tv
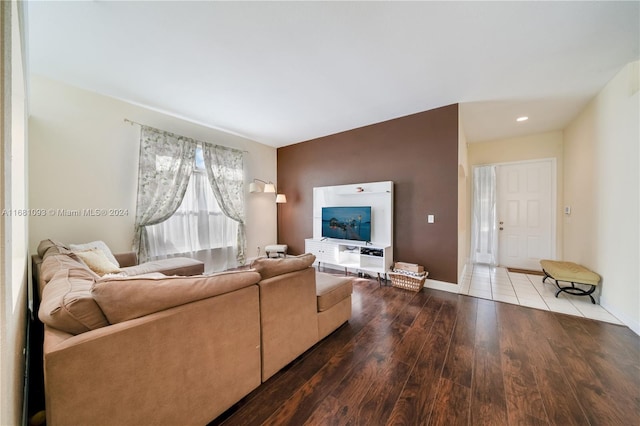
341, 253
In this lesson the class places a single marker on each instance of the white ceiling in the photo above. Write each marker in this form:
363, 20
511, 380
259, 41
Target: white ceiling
285, 72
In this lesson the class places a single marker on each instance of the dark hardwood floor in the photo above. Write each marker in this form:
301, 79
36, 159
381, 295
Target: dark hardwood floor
439, 358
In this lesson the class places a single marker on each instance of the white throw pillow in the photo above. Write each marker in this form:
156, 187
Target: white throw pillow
100, 245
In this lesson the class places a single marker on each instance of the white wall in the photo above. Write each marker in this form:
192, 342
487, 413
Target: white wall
13, 224
83, 155
602, 186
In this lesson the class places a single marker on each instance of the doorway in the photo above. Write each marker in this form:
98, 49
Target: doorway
524, 206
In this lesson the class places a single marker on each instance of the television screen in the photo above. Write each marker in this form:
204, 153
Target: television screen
347, 223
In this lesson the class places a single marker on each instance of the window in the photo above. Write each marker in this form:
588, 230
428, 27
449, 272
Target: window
198, 228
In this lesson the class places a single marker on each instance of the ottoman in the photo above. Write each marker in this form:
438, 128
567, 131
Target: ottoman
277, 249
573, 273
333, 294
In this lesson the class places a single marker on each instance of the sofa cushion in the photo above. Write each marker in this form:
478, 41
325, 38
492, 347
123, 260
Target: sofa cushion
170, 266
67, 303
124, 298
331, 290
98, 245
269, 267
56, 262
97, 261
48, 247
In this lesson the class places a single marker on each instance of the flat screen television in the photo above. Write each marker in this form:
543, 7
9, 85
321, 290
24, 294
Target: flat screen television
347, 223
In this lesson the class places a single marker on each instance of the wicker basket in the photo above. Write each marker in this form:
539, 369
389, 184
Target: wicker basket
407, 282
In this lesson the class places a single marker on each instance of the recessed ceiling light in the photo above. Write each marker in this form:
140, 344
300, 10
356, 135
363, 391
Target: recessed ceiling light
522, 118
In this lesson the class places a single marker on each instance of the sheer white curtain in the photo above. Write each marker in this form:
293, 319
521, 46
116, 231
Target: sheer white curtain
198, 228
484, 234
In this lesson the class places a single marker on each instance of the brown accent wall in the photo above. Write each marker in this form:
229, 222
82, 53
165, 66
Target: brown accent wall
419, 153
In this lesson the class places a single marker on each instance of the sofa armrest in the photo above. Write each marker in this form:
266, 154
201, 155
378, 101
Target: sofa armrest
184, 266
129, 258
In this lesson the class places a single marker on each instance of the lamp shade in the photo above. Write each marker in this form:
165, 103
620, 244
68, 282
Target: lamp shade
269, 187
254, 187
281, 198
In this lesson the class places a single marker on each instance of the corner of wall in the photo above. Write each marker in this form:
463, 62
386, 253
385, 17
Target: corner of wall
464, 197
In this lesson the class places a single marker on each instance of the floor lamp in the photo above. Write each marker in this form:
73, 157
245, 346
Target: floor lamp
280, 199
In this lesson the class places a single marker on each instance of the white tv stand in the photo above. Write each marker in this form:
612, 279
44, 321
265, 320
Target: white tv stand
356, 255
376, 257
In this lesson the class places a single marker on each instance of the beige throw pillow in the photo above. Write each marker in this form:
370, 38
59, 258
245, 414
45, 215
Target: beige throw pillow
97, 261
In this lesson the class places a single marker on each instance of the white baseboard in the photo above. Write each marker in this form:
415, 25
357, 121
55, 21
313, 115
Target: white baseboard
442, 285
464, 270
632, 323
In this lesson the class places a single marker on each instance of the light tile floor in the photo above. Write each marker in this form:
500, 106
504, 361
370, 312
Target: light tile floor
496, 283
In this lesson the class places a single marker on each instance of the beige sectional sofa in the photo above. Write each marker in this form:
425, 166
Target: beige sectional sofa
158, 349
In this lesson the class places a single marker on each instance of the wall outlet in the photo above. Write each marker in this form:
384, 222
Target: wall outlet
431, 218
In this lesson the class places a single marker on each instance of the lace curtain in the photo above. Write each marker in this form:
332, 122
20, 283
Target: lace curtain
225, 172
165, 168
208, 222
484, 235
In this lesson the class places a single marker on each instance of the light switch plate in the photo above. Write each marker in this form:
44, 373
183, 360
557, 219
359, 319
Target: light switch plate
430, 218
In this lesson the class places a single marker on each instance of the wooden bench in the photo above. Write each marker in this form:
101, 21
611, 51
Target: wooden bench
571, 273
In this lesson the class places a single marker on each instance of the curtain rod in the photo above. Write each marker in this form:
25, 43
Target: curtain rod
181, 136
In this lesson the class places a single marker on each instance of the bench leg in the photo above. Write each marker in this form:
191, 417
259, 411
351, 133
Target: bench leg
571, 290
576, 291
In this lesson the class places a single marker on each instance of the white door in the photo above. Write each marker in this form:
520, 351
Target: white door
525, 213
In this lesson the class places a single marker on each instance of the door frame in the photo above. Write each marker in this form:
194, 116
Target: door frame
554, 195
